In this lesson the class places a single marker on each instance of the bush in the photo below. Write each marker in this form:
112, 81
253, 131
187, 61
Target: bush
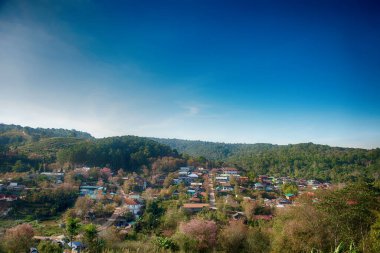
49, 247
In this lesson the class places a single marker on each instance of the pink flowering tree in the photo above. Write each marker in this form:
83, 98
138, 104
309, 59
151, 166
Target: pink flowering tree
105, 173
202, 231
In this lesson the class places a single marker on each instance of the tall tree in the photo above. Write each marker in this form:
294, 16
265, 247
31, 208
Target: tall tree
72, 227
91, 239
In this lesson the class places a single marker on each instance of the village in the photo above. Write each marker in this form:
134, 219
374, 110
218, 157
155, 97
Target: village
118, 200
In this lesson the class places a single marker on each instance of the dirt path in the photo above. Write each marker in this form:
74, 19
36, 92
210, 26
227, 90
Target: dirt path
118, 211
212, 193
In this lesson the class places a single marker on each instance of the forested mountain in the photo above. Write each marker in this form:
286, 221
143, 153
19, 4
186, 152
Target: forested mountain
24, 148
217, 151
301, 160
15, 134
128, 152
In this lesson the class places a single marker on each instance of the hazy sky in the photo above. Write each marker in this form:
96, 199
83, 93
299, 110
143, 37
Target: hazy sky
234, 71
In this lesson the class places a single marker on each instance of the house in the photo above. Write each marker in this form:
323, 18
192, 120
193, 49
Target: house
282, 202
195, 207
8, 197
133, 195
53, 174
183, 173
15, 187
243, 180
82, 170
263, 178
186, 169
259, 186
219, 178
58, 176
230, 171
191, 191
133, 205
224, 188
269, 188
313, 182
91, 191
76, 246
193, 176
290, 196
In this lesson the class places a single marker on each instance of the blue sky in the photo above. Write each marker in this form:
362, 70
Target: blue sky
233, 71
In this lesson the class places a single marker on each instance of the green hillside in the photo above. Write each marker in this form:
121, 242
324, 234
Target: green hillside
15, 134
25, 148
304, 160
127, 152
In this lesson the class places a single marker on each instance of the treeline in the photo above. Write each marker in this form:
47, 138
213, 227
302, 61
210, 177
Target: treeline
45, 203
300, 160
312, 161
23, 149
127, 152
210, 150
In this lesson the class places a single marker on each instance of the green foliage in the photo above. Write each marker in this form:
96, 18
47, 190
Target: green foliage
91, 239
165, 243
72, 227
128, 152
45, 203
289, 188
151, 218
172, 217
210, 150
49, 247
128, 216
186, 243
24, 148
336, 220
374, 235
349, 212
257, 241
300, 160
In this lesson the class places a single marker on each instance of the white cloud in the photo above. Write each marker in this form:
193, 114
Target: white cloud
192, 110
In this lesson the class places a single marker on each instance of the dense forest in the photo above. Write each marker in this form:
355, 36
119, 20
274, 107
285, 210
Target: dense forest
300, 160
23, 149
127, 152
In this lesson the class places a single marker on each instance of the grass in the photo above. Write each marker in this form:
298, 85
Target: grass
47, 228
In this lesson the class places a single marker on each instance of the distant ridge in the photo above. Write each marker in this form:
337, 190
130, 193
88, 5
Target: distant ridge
26, 132
222, 151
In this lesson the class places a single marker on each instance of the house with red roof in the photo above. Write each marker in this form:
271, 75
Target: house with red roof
133, 205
